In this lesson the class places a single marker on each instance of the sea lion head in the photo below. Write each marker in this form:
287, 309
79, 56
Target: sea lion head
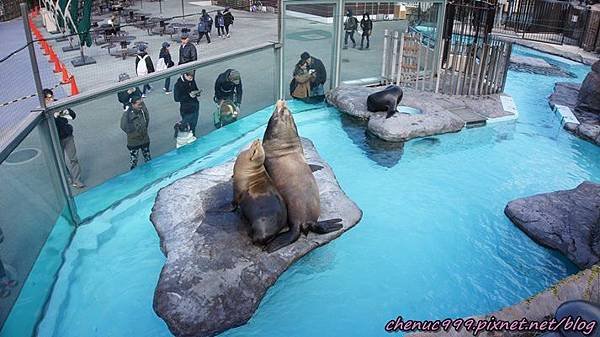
252, 158
281, 124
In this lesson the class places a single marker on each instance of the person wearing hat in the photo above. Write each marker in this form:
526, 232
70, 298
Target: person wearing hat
350, 26
165, 61
229, 86
320, 74
187, 50
145, 67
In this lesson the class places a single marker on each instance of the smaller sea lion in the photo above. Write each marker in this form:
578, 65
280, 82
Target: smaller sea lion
385, 100
256, 196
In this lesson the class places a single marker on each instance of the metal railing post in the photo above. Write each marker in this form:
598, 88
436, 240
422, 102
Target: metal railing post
56, 155
337, 48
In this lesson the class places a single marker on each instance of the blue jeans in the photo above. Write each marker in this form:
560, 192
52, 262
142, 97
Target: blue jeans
167, 83
146, 87
191, 119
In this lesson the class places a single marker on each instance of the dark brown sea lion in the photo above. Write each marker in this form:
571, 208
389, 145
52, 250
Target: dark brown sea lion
287, 167
256, 196
385, 100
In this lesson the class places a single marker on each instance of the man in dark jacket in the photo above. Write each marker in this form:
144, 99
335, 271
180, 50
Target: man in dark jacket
146, 69
367, 26
350, 26
186, 93
204, 26
316, 86
227, 20
67, 142
187, 50
228, 86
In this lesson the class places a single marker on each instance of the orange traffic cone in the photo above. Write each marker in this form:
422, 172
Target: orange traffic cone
44, 47
65, 75
74, 89
54, 58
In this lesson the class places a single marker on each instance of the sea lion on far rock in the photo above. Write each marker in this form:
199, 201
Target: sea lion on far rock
385, 100
256, 196
287, 167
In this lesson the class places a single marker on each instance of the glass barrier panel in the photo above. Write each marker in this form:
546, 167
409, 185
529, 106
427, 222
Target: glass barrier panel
309, 31
34, 226
364, 42
119, 139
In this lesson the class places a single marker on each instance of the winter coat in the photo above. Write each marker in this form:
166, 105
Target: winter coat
205, 24
181, 94
351, 24
320, 71
65, 129
187, 53
166, 55
135, 124
149, 64
125, 98
302, 87
228, 18
219, 20
225, 89
366, 25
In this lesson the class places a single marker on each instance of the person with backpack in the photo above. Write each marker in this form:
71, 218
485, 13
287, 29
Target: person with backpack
164, 62
367, 26
145, 67
220, 24
227, 20
186, 93
134, 122
350, 26
204, 26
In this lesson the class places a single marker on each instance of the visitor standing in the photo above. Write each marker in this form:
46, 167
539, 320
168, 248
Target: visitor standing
67, 142
164, 62
367, 26
186, 93
320, 74
300, 86
187, 50
350, 26
204, 26
134, 122
228, 86
143, 66
227, 20
220, 24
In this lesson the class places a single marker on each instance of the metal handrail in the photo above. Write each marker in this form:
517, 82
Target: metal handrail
158, 75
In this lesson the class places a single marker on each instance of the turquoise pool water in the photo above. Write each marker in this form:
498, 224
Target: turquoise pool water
433, 242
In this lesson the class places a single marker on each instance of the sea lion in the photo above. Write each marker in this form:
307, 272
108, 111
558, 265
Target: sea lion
582, 310
385, 100
256, 196
293, 178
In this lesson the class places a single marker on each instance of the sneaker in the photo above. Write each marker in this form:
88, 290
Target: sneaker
228, 35
143, 95
167, 92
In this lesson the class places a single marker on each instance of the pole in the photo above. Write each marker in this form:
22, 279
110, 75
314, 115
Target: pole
160, 6
281, 50
48, 120
182, 11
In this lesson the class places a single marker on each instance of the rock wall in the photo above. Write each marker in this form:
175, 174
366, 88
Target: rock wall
214, 277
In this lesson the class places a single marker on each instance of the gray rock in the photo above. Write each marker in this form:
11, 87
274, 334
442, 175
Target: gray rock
571, 127
563, 220
589, 94
589, 131
351, 100
214, 277
565, 93
402, 127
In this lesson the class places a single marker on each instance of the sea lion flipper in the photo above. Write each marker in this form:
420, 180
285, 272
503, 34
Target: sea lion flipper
327, 226
284, 239
315, 167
